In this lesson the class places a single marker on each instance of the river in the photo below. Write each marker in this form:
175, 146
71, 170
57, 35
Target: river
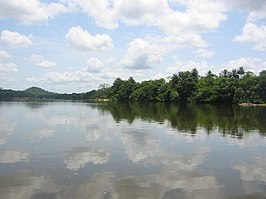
74, 150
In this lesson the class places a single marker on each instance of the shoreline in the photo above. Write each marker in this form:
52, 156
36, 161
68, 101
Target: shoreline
251, 104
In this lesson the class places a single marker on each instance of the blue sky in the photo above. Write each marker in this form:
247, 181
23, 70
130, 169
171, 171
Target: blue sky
75, 45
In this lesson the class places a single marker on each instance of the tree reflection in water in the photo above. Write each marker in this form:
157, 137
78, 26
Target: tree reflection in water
228, 119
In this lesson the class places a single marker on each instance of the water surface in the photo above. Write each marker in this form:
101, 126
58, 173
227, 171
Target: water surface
80, 150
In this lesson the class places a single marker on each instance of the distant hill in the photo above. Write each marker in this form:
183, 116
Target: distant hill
36, 91
39, 93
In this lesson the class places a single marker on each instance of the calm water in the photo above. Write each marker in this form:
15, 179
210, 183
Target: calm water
64, 150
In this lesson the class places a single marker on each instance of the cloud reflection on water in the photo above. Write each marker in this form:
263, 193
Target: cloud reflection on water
6, 129
41, 134
13, 156
79, 157
24, 184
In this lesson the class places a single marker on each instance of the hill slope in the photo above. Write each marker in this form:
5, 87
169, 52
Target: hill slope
36, 91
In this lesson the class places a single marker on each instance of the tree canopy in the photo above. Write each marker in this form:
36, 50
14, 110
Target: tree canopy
236, 86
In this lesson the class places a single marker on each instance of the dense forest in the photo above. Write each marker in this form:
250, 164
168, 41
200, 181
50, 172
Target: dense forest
229, 87
236, 86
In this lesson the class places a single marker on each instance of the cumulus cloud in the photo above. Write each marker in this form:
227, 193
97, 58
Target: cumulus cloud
94, 65
254, 34
4, 55
102, 11
202, 67
83, 40
90, 76
204, 53
199, 16
54, 9
66, 77
8, 68
14, 39
142, 12
249, 63
30, 11
39, 61
183, 25
141, 55
255, 8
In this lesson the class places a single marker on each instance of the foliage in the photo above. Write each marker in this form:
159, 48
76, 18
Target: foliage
236, 86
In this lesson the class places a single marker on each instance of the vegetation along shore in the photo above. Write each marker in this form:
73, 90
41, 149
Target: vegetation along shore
229, 87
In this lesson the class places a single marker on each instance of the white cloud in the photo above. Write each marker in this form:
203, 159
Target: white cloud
102, 11
79, 76
255, 8
8, 68
248, 5
254, 34
4, 55
142, 12
39, 61
94, 65
82, 39
183, 26
141, 55
53, 9
55, 78
30, 11
204, 53
79, 80
257, 15
202, 67
14, 39
65, 77
249, 63
252, 64
199, 16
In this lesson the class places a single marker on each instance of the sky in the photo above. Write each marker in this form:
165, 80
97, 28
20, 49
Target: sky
70, 46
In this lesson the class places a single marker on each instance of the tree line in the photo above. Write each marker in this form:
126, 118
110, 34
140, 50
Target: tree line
235, 86
35, 93
229, 87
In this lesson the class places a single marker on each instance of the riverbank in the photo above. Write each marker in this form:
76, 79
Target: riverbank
251, 104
